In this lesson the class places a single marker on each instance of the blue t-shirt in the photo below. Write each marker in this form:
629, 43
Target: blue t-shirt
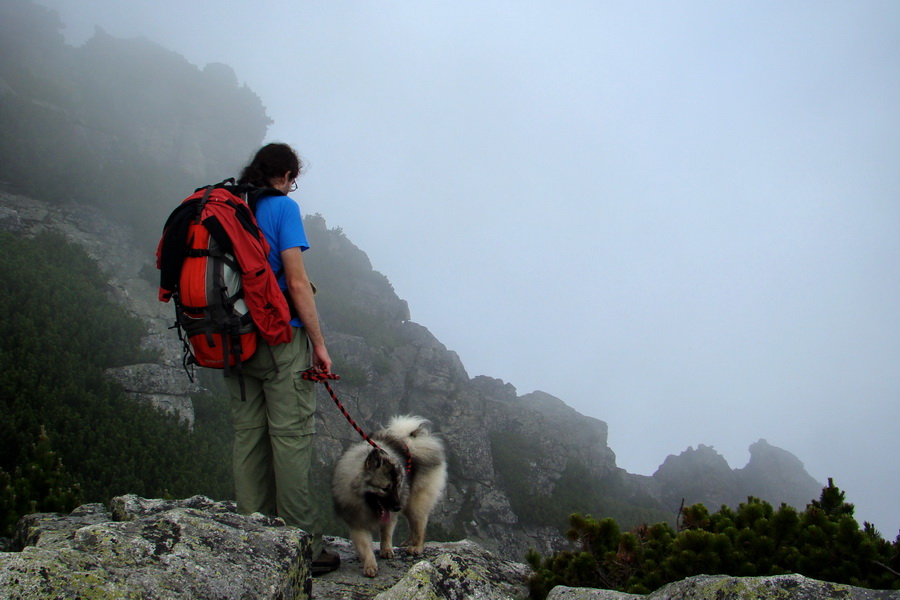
280, 221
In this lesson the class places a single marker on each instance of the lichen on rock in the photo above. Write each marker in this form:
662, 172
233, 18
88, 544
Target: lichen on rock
725, 587
193, 548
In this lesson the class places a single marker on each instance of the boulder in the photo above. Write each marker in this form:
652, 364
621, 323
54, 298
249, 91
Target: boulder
198, 548
724, 587
445, 571
193, 548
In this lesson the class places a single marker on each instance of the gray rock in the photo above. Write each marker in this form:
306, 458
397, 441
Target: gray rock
461, 576
10, 220
198, 548
163, 386
776, 475
562, 592
53, 529
724, 587
449, 570
193, 548
704, 476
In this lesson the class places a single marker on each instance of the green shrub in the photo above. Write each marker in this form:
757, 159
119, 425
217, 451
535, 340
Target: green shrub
823, 542
58, 333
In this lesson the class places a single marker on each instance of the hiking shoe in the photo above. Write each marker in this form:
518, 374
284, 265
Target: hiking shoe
326, 562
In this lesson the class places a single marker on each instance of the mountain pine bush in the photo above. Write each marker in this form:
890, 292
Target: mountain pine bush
823, 542
69, 433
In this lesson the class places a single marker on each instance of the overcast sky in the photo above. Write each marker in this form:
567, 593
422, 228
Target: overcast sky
681, 218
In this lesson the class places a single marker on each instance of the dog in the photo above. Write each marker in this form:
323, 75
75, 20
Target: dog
371, 485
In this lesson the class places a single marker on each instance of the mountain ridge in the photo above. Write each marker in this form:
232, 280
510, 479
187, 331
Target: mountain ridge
518, 464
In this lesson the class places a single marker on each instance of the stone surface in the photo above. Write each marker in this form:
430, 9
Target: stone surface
197, 548
449, 570
155, 549
723, 587
163, 386
562, 592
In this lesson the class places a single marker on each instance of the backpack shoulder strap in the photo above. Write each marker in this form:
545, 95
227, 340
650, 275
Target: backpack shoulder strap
255, 194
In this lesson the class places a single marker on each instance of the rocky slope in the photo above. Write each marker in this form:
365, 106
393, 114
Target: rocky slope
514, 459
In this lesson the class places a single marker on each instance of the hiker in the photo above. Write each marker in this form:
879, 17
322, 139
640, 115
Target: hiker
275, 423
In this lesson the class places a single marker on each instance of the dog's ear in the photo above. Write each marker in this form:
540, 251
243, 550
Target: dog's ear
375, 459
424, 428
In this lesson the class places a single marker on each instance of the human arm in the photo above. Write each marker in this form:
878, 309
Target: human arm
301, 295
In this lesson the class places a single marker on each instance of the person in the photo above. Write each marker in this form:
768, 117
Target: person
275, 423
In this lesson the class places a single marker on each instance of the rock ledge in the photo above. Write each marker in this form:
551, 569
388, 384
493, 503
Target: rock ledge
724, 587
155, 549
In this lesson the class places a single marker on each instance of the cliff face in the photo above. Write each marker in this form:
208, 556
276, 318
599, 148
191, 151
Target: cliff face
776, 475
700, 475
516, 462
89, 123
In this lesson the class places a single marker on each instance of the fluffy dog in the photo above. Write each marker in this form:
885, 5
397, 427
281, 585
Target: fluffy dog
370, 485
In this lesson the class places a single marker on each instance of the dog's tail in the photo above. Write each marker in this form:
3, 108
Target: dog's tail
409, 426
426, 448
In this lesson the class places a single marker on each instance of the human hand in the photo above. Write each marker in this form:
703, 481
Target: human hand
321, 360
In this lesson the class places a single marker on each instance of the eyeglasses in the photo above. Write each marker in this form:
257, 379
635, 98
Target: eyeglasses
294, 186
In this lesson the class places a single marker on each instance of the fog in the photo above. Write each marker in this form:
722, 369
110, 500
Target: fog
680, 218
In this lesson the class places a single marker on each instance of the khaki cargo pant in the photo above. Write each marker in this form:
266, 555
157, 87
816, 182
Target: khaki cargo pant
273, 435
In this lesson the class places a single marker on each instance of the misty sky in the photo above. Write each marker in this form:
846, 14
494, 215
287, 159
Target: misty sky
679, 217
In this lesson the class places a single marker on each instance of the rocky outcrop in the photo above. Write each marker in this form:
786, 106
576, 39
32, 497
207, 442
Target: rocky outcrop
197, 548
700, 475
776, 475
451, 571
723, 587
156, 549
703, 476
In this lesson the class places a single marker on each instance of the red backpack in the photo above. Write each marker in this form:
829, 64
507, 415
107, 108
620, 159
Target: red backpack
213, 261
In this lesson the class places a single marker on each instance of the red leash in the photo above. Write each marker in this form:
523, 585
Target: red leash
320, 377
